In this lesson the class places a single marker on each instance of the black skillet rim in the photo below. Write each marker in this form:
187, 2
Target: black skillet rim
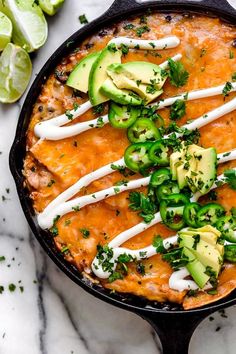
17, 154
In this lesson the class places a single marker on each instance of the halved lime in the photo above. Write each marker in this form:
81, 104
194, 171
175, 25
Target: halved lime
15, 73
29, 24
5, 30
50, 7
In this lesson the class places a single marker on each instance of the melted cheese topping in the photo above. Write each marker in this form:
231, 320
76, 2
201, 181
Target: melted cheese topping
51, 167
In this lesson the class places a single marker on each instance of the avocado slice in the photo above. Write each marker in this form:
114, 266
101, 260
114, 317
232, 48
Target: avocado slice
98, 74
79, 77
207, 233
187, 158
206, 169
144, 78
125, 97
196, 269
207, 254
181, 174
176, 160
194, 166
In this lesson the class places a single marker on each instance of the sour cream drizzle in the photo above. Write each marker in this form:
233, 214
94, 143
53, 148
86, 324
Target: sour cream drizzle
193, 95
210, 116
53, 129
135, 230
147, 44
61, 205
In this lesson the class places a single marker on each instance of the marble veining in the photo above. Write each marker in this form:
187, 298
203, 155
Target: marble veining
47, 313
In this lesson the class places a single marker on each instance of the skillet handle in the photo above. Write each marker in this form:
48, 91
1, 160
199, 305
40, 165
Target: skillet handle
175, 329
127, 5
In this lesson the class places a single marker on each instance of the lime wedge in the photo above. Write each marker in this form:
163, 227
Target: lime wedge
50, 7
15, 73
5, 31
29, 25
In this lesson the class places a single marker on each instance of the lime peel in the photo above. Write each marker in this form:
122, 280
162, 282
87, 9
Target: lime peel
29, 24
5, 30
15, 73
50, 7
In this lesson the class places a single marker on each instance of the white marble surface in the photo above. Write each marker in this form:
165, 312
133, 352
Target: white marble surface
53, 315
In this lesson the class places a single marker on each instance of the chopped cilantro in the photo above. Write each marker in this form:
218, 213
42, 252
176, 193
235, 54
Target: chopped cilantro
213, 277
144, 204
54, 229
152, 87
64, 249
177, 110
114, 276
83, 19
12, 287
125, 258
100, 122
21, 289
51, 183
231, 178
234, 76
123, 170
112, 47
98, 109
124, 48
227, 88
176, 258
158, 244
69, 114
128, 26
212, 195
85, 232
178, 75
196, 241
141, 30
231, 54
76, 106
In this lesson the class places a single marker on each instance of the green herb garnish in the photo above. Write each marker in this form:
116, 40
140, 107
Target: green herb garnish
85, 232
178, 75
83, 19
177, 110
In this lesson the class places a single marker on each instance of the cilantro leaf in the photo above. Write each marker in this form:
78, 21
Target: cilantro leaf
227, 88
177, 110
231, 178
176, 258
158, 244
178, 75
144, 204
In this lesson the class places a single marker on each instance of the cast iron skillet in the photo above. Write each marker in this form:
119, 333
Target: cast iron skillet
173, 325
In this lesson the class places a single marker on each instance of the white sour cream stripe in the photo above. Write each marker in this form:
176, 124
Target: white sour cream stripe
73, 190
147, 44
78, 203
137, 229
178, 282
193, 95
226, 156
61, 205
53, 129
209, 117
142, 253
